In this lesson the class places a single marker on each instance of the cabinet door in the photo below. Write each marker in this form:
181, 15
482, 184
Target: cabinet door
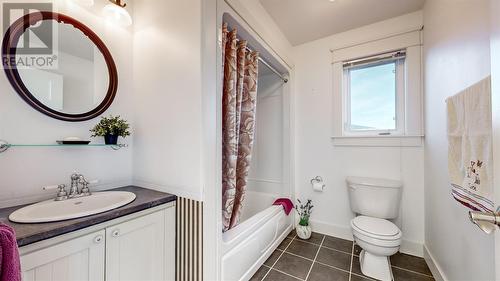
79, 259
135, 250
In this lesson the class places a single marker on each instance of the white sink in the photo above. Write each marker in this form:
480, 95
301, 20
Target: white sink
51, 210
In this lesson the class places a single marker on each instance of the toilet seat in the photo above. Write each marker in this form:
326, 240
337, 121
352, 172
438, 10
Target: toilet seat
376, 231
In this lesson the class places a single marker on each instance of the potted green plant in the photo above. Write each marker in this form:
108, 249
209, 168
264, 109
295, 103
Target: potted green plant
303, 229
111, 128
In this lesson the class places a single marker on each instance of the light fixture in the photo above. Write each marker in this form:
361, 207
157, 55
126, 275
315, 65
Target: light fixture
116, 12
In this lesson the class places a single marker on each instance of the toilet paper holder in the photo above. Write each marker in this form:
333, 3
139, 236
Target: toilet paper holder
317, 179
318, 184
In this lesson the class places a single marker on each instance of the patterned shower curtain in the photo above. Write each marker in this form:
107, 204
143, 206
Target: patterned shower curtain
238, 122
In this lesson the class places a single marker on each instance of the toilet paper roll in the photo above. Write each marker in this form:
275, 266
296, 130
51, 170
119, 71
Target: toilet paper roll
318, 186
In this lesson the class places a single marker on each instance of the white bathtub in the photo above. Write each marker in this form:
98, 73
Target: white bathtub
247, 246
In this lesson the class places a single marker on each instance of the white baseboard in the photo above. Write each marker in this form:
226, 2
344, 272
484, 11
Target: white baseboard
412, 248
332, 230
407, 246
436, 270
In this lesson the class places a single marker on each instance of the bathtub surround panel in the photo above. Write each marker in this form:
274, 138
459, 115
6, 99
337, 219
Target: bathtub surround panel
317, 154
189, 239
267, 170
255, 202
456, 56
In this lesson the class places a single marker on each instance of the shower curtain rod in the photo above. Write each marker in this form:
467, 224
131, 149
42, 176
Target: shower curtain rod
285, 79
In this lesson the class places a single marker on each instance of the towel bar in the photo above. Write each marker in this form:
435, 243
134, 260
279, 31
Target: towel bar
485, 221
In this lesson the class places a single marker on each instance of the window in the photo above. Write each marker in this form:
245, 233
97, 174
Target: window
374, 95
377, 97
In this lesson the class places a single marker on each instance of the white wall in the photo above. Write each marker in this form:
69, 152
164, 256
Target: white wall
316, 154
159, 70
457, 55
495, 101
168, 112
25, 170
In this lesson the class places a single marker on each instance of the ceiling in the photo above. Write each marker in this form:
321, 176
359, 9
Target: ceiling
306, 20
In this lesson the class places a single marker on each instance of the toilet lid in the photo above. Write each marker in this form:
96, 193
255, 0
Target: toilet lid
376, 226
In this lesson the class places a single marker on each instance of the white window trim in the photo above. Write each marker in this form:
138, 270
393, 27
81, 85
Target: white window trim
412, 129
379, 141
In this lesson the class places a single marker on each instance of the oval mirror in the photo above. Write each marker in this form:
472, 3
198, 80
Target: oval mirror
59, 66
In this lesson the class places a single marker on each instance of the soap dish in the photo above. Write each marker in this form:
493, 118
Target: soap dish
73, 142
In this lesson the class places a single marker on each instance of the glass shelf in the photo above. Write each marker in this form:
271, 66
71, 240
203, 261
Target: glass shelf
5, 145
56, 144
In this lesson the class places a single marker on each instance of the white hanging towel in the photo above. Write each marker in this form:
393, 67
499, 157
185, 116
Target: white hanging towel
470, 160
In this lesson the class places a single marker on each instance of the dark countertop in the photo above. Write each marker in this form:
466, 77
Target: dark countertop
28, 233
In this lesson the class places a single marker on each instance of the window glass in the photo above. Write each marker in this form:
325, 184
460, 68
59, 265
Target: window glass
373, 97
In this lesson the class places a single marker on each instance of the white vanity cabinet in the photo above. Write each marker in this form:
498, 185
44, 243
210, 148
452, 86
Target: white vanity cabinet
139, 246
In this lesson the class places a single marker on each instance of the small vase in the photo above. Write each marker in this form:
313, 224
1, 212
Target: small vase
303, 231
110, 139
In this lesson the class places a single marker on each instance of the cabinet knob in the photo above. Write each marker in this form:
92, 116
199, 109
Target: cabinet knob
115, 233
98, 239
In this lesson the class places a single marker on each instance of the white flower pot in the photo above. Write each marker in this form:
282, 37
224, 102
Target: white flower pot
304, 232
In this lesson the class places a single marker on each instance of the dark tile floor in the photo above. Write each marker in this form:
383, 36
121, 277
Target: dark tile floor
326, 258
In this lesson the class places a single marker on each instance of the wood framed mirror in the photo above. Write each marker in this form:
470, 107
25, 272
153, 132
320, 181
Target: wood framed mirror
59, 66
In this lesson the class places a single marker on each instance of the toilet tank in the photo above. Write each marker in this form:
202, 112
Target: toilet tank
373, 197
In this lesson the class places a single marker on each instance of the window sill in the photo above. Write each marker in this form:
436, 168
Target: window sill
379, 141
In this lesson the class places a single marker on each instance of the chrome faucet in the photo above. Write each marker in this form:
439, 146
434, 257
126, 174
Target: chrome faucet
61, 191
74, 191
85, 191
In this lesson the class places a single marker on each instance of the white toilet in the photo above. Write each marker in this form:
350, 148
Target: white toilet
375, 201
